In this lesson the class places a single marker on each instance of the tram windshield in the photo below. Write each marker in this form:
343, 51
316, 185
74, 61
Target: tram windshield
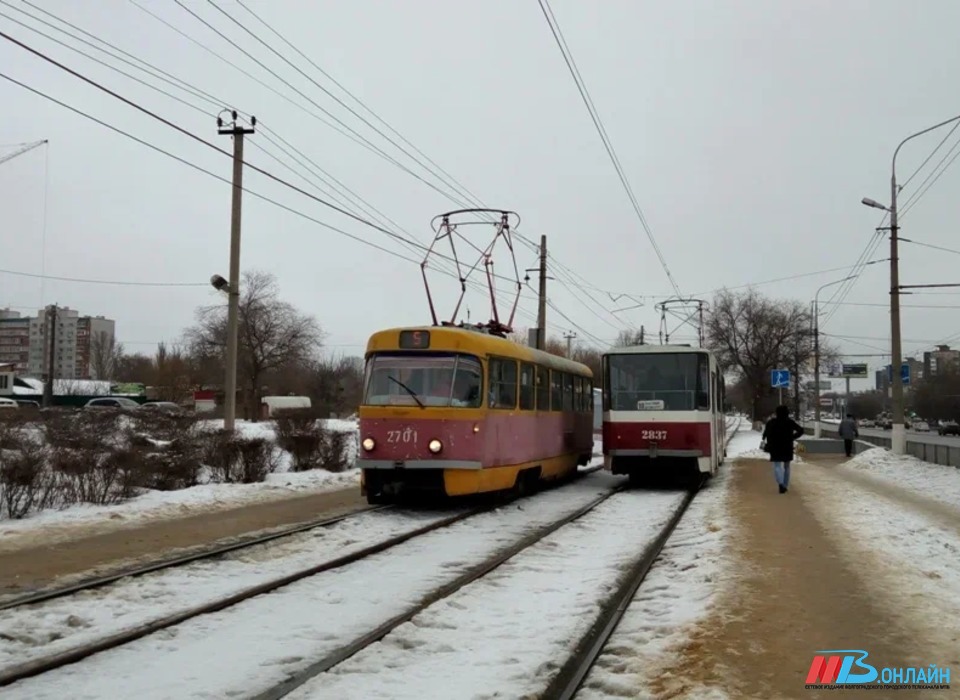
424, 379
657, 382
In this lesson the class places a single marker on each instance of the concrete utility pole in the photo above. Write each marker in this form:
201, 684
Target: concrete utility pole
542, 306
898, 434
51, 358
233, 305
569, 338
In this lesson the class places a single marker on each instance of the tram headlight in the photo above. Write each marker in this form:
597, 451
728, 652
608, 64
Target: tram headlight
435, 446
368, 444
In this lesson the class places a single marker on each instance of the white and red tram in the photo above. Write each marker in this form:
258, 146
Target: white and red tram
663, 412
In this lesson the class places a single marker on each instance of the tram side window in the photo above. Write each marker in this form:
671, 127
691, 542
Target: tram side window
578, 394
543, 389
703, 383
527, 391
567, 392
503, 383
556, 391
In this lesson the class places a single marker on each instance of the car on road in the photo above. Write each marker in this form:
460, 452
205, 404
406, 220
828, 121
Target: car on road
112, 402
921, 426
949, 427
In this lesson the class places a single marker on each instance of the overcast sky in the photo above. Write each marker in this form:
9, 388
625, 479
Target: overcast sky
749, 132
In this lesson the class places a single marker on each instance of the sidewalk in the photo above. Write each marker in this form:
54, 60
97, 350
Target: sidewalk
795, 595
39, 565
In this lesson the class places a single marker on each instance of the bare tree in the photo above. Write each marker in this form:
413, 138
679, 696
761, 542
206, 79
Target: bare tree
272, 334
630, 337
752, 335
105, 354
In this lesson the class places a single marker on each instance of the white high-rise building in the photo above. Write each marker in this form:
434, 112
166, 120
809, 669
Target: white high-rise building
24, 342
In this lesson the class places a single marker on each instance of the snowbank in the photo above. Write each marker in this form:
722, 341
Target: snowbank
910, 556
934, 481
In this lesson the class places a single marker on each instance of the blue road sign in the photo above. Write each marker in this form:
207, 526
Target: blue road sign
904, 373
780, 379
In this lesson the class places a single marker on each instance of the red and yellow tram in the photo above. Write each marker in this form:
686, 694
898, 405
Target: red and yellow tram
456, 411
663, 412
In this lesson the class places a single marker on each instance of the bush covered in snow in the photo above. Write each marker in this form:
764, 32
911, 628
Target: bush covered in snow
59, 458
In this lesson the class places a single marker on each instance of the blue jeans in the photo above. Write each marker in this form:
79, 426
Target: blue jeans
781, 470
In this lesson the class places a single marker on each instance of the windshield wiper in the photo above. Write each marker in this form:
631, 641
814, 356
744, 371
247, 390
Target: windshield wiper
408, 389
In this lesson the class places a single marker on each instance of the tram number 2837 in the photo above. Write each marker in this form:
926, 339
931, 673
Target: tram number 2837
653, 435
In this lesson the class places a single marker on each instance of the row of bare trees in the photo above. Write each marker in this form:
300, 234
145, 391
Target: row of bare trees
279, 354
279, 351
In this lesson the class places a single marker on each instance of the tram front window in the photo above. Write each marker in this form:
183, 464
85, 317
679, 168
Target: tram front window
659, 382
436, 379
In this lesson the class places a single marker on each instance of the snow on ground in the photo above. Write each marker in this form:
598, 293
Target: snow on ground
680, 590
493, 638
913, 560
65, 623
251, 646
934, 481
57, 525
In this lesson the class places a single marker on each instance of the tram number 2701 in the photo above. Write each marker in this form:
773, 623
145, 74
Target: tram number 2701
407, 435
653, 435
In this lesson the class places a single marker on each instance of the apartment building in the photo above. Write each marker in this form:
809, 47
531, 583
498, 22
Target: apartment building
24, 342
943, 360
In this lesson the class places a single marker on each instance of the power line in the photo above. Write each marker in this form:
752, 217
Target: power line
246, 53
19, 273
226, 181
584, 94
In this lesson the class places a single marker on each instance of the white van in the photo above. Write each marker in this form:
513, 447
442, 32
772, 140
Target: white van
269, 405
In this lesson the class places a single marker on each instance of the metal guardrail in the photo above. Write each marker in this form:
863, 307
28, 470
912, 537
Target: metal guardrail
933, 452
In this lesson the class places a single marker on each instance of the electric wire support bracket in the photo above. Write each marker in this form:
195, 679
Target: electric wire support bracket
447, 228
687, 311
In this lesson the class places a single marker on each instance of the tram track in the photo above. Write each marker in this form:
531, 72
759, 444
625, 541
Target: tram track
89, 584
574, 671
349, 648
568, 681
45, 664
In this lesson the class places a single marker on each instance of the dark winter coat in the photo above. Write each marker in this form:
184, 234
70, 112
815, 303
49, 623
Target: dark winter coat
848, 429
779, 434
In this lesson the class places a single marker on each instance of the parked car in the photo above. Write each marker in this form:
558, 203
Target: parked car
162, 407
112, 402
949, 427
921, 426
8, 404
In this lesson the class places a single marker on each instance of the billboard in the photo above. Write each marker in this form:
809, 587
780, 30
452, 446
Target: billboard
825, 385
854, 371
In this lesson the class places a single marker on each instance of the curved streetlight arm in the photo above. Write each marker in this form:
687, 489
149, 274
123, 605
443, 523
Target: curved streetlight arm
893, 165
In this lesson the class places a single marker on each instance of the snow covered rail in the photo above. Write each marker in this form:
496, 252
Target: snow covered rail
567, 682
469, 576
208, 553
130, 633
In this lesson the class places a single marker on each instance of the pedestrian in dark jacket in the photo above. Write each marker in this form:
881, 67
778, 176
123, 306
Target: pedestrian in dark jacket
848, 431
778, 437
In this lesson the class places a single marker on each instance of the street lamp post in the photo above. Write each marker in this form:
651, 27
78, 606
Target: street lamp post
816, 353
898, 433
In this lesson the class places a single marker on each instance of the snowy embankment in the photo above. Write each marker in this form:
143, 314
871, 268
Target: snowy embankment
912, 552
692, 572
934, 481
258, 643
57, 525
62, 624
493, 638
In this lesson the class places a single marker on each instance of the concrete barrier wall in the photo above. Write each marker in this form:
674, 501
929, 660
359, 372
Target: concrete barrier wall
947, 455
